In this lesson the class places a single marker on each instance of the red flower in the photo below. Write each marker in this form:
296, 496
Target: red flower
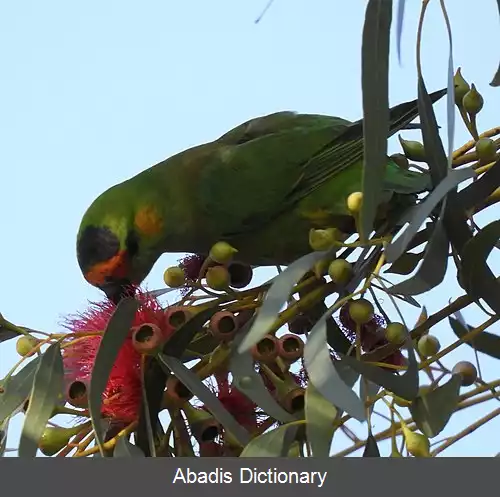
123, 393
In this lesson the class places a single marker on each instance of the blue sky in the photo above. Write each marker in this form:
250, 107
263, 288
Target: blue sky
94, 92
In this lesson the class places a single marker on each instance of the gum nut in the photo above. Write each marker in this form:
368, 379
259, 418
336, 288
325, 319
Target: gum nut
174, 277
467, 371
361, 311
428, 345
218, 278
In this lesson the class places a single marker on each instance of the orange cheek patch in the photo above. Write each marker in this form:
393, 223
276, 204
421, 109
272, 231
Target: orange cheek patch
113, 267
148, 221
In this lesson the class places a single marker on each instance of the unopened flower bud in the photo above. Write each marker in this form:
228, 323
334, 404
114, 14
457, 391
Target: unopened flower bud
361, 311
218, 278
340, 271
222, 252
467, 371
428, 345
461, 87
486, 150
418, 445
174, 277
25, 344
355, 202
473, 101
396, 333
320, 240
400, 160
413, 150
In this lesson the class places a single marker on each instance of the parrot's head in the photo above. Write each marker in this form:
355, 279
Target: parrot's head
117, 243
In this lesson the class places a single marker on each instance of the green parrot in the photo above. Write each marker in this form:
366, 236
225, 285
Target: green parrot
261, 187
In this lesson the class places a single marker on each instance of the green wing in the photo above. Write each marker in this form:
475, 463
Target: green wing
267, 165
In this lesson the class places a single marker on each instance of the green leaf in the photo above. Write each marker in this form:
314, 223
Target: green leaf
320, 415
250, 383
475, 193
405, 386
277, 296
433, 269
375, 86
476, 276
371, 447
269, 444
4, 430
424, 209
209, 400
485, 342
16, 389
405, 264
124, 448
6, 334
496, 78
432, 411
117, 330
325, 377
48, 385
399, 26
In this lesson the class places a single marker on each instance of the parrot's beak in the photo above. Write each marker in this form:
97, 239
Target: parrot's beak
116, 290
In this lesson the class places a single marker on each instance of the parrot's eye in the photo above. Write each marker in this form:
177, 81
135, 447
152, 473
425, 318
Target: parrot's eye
96, 244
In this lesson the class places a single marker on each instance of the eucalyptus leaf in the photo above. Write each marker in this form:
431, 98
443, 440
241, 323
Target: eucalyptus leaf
433, 269
479, 190
269, 444
496, 78
476, 276
371, 447
48, 385
424, 209
325, 377
124, 448
6, 334
210, 401
16, 389
432, 411
320, 417
375, 86
251, 384
4, 430
399, 26
277, 296
117, 330
485, 342
405, 264
405, 386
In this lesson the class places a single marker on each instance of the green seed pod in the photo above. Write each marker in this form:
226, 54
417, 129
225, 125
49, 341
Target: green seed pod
218, 278
340, 271
473, 101
461, 87
355, 202
396, 333
400, 160
361, 311
467, 371
413, 150
54, 439
25, 344
222, 252
418, 445
320, 240
428, 345
486, 150
174, 277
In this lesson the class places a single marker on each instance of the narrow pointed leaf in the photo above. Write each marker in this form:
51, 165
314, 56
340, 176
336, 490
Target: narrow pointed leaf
422, 212
117, 330
406, 264
277, 296
268, 444
325, 377
4, 430
209, 400
48, 385
496, 78
16, 389
124, 448
405, 386
320, 416
432, 411
251, 384
479, 190
433, 269
485, 342
371, 447
476, 276
399, 26
375, 86
6, 334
